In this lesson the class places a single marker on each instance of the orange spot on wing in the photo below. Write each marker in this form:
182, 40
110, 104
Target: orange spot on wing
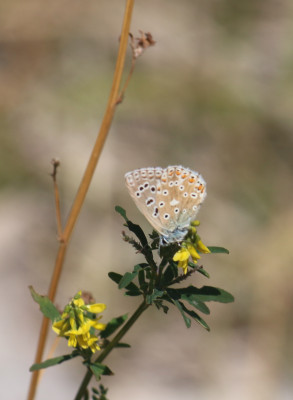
164, 180
191, 180
178, 173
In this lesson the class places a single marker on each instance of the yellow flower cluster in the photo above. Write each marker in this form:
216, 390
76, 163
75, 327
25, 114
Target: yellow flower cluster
190, 248
77, 326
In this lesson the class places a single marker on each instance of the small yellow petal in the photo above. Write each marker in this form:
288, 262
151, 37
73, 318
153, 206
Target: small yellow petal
78, 302
194, 254
202, 247
181, 255
57, 326
184, 266
72, 341
96, 308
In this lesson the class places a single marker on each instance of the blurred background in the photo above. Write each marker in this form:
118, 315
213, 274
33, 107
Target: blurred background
215, 94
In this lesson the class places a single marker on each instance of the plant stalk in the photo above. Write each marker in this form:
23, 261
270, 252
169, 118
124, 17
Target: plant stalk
110, 347
84, 185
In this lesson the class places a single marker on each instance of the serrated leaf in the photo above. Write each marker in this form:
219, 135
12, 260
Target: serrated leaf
199, 305
215, 249
205, 293
151, 297
195, 316
113, 325
53, 361
159, 304
136, 229
99, 369
180, 308
46, 306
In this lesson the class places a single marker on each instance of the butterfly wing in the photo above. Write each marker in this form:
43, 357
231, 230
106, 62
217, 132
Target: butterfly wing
169, 198
142, 185
182, 192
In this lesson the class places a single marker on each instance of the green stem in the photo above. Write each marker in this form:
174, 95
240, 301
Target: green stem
110, 347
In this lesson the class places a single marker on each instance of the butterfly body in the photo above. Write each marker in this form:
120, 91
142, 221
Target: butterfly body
168, 197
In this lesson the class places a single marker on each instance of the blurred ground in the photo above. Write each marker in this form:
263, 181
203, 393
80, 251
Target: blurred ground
215, 95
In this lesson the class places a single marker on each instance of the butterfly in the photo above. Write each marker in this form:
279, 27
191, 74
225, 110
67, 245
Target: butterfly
169, 198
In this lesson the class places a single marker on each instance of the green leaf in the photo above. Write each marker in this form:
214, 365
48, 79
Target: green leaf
205, 293
133, 293
170, 273
122, 212
187, 320
203, 272
159, 304
192, 300
46, 306
141, 279
195, 316
151, 297
129, 276
136, 229
113, 325
123, 345
99, 369
215, 249
199, 269
53, 361
117, 278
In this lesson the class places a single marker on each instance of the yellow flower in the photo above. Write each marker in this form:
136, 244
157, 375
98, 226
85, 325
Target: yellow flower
182, 257
202, 247
190, 248
194, 254
76, 325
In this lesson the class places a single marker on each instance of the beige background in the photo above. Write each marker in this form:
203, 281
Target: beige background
215, 95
